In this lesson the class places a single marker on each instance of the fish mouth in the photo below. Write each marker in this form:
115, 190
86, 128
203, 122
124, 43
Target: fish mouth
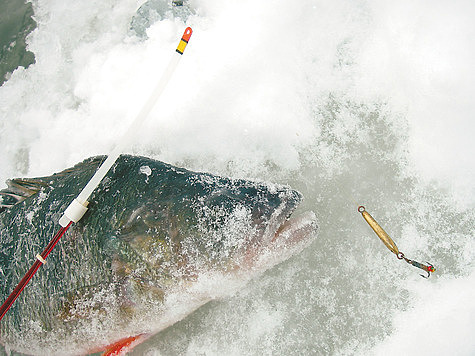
295, 230
285, 236
287, 230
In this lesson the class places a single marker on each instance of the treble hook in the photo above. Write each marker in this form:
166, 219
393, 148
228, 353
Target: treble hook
428, 268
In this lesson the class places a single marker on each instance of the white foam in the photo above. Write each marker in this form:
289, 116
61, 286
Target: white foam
245, 101
147, 171
440, 322
421, 56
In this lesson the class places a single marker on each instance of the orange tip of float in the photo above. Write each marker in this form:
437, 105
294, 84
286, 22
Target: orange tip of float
187, 34
184, 40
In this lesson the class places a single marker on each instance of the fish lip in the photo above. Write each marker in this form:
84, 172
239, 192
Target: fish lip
290, 237
291, 199
287, 230
295, 229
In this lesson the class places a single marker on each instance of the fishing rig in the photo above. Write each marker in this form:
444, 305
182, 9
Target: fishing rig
78, 207
390, 243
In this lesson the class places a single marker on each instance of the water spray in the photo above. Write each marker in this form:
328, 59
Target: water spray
78, 207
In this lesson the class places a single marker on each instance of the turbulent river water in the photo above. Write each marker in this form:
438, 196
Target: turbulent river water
350, 102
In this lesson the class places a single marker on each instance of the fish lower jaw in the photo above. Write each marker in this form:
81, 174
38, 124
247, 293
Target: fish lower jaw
291, 237
295, 230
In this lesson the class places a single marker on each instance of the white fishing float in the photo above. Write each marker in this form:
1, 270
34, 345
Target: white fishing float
78, 207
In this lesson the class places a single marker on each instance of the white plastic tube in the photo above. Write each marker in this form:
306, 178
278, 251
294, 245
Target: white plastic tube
78, 207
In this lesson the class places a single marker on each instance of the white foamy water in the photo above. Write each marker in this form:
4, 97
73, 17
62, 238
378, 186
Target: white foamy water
350, 102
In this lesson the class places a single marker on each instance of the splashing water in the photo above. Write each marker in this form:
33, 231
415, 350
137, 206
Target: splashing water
349, 102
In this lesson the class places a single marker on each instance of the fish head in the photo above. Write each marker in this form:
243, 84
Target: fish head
173, 224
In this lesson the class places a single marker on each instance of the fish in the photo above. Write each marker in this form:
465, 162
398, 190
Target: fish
157, 243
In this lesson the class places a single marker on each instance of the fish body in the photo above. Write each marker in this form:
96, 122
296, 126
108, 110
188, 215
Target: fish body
136, 262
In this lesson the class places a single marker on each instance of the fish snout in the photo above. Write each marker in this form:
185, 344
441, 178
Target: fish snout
271, 212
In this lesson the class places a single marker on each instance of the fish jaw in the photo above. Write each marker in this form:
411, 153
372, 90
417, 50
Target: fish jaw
290, 238
285, 235
295, 231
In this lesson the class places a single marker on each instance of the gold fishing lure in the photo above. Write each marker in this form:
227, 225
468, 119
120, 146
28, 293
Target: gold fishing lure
389, 243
